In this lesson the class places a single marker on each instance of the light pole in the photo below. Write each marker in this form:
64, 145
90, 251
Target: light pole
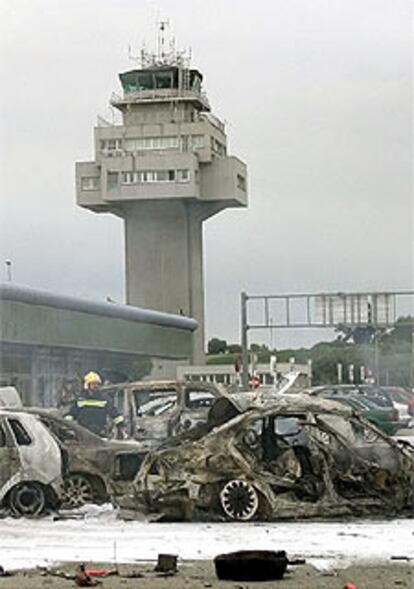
244, 344
8, 264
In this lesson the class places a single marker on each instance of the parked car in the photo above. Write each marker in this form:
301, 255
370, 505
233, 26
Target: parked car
96, 468
385, 418
294, 456
401, 395
373, 393
377, 395
30, 465
157, 410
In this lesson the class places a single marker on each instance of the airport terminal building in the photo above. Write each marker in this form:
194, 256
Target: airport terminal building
46, 337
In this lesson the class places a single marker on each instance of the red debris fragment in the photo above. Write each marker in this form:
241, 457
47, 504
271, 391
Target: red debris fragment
101, 572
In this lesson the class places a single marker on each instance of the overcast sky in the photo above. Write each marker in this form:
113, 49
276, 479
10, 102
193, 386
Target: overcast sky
317, 97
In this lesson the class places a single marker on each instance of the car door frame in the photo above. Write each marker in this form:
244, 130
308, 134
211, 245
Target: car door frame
10, 462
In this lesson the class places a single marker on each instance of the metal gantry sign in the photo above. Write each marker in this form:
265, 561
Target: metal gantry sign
379, 310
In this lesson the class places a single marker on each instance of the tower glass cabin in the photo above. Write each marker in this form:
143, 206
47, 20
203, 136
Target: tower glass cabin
164, 171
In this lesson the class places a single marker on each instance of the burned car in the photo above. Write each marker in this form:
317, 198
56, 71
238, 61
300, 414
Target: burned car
95, 468
30, 465
292, 456
158, 410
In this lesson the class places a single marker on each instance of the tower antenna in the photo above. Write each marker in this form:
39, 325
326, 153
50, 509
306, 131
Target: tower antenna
162, 25
131, 56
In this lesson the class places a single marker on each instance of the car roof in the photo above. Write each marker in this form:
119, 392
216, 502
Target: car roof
163, 385
287, 403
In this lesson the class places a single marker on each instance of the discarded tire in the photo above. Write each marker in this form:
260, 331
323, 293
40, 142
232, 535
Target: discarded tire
251, 565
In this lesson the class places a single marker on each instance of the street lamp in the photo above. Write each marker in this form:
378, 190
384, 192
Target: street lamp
8, 264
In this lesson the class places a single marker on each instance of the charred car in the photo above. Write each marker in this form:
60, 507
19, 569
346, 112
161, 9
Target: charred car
95, 468
30, 465
157, 410
292, 456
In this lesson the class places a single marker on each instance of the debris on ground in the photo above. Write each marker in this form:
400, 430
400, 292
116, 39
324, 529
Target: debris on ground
101, 572
201, 574
251, 565
82, 579
167, 563
4, 573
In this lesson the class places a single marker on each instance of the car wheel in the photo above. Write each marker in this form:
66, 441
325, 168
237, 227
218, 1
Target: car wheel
27, 500
78, 491
239, 500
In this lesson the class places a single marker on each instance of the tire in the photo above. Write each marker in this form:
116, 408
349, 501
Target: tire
27, 500
239, 500
79, 491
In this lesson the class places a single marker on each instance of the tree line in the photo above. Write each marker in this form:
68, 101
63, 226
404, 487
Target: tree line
387, 353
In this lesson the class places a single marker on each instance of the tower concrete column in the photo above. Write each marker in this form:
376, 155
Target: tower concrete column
164, 261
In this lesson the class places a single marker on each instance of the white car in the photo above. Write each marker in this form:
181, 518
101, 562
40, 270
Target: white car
404, 417
30, 465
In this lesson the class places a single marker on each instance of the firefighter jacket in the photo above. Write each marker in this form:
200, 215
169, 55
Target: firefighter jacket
94, 412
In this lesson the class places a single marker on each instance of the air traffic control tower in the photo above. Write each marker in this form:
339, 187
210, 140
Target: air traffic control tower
164, 171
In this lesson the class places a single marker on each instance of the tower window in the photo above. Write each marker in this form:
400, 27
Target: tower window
112, 180
153, 176
241, 182
111, 145
147, 143
163, 80
197, 140
217, 147
90, 183
183, 175
145, 81
129, 178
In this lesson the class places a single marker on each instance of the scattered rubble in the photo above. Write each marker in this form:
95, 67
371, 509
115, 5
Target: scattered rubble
83, 579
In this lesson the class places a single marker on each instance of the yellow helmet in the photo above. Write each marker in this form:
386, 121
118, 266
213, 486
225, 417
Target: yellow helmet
90, 378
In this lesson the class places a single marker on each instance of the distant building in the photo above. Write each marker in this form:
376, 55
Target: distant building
226, 373
165, 170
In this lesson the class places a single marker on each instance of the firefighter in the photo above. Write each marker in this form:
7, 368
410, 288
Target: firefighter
93, 409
